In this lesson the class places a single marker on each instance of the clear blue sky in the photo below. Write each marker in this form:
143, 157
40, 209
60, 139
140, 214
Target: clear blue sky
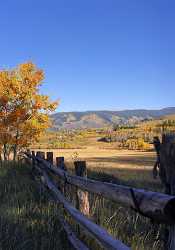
96, 54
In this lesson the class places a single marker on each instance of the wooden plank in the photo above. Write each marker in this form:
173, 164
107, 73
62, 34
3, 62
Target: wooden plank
156, 206
101, 235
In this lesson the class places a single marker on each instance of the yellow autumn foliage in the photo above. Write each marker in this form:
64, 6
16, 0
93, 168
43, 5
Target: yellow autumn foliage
24, 112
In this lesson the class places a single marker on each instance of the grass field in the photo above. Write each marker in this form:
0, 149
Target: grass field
27, 219
30, 221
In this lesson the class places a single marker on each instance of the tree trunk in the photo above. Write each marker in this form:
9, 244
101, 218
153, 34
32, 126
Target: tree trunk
5, 152
14, 152
15, 149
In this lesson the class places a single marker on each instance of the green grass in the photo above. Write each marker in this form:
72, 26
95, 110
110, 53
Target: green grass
27, 219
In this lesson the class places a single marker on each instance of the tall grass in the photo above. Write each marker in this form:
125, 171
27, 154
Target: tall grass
133, 229
136, 231
27, 219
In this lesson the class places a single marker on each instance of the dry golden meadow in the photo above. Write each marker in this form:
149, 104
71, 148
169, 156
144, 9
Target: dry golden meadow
109, 161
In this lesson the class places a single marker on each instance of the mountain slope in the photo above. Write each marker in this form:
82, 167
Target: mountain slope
97, 119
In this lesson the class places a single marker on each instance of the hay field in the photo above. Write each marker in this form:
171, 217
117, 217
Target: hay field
107, 158
131, 167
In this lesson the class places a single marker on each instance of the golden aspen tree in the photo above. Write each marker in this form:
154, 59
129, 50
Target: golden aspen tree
24, 112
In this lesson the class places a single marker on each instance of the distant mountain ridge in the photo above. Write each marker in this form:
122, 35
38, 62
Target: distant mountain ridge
98, 119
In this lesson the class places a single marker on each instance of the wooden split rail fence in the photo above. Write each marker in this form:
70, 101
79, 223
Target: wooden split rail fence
156, 206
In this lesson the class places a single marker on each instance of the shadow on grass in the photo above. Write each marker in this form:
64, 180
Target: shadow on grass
27, 219
139, 178
140, 160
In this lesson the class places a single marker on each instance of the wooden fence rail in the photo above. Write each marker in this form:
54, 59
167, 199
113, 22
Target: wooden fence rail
92, 229
156, 206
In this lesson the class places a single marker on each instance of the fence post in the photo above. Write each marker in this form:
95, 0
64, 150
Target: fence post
49, 157
60, 163
40, 154
167, 176
33, 160
28, 160
82, 199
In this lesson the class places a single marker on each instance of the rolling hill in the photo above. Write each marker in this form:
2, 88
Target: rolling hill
98, 119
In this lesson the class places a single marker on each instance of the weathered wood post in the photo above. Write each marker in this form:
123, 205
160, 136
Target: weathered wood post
33, 160
49, 157
82, 199
60, 164
166, 164
40, 154
157, 144
27, 159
